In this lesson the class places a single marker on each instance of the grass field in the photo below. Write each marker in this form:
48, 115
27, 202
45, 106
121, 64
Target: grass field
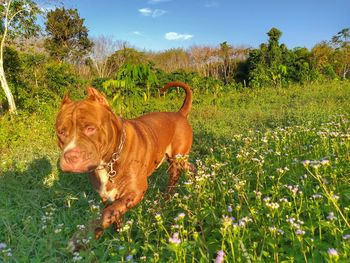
272, 185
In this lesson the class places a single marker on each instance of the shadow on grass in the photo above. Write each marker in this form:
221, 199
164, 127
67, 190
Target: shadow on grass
25, 193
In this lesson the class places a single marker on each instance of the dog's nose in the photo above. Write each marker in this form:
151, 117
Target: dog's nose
72, 156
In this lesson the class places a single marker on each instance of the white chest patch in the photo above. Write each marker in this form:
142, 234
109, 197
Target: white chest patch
107, 195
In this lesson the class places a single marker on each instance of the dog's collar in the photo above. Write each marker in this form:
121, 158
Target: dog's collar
115, 157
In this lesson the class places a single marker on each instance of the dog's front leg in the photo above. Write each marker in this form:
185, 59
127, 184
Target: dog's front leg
114, 213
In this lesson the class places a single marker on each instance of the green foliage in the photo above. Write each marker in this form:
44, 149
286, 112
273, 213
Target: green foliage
67, 35
60, 78
276, 65
12, 66
341, 41
133, 84
36, 81
24, 22
267, 64
127, 56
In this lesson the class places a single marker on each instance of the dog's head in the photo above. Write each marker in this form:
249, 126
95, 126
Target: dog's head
87, 132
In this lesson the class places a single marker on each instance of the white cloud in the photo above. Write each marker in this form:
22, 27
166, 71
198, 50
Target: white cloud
177, 36
137, 33
152, 12
146, 11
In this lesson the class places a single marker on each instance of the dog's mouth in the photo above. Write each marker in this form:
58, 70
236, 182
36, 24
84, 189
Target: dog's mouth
77, 167
78, 161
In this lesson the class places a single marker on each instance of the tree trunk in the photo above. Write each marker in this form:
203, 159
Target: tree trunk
3, 81
345, 72
6, 88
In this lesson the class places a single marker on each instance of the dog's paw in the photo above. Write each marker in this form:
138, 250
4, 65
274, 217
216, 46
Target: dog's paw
117, 225
109, 217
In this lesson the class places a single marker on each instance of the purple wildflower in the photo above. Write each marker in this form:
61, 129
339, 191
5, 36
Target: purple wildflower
175, 239
333, 253
220, 257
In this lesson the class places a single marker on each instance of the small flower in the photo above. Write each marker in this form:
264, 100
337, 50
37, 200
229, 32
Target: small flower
76, 257
346, 237
258, 194
299, 232
336, 197
317, 196
128, 258
227, 221
325, 162
180, 216
331, 216
3, 246
244, 221
175, 239
306, 162
273, 229
229, 209
158, 216
333, 253
267, 199
280, 232
220, 256
81, 227
273, 205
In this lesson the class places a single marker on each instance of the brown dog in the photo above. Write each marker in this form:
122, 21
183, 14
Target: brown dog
121, 154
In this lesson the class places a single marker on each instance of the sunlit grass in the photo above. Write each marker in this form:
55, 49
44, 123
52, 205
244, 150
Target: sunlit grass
272, 185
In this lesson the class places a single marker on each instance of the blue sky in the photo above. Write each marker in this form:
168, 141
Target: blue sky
164, 24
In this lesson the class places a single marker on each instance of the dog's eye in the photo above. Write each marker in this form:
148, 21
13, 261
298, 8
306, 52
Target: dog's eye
89, 130
61, 133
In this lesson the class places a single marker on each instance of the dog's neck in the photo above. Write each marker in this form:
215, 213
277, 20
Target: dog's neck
110, 166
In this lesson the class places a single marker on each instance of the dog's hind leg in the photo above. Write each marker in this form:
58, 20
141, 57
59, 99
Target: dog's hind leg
178, 164
174, 174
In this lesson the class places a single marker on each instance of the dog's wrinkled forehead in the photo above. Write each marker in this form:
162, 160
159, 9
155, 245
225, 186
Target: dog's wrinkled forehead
80, 113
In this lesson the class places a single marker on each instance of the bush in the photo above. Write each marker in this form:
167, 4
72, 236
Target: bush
60, 78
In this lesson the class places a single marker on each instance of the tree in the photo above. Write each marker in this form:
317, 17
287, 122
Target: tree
266, 64
126, 55
225, 53
341, 42
103, 48
321, 55
201, 57
17, 18
67, 35
172, 59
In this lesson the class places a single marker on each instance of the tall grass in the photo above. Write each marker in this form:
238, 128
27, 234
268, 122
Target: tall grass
272, 184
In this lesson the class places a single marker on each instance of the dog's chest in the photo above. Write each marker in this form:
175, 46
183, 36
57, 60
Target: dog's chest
101, 186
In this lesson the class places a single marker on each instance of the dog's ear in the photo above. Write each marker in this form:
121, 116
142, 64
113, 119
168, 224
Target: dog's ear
66, 99
96, 95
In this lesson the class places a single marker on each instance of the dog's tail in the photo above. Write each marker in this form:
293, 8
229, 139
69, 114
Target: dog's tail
187, 105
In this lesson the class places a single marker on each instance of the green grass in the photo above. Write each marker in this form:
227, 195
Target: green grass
272, 185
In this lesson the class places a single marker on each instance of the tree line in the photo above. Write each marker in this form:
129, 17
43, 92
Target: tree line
39, 65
